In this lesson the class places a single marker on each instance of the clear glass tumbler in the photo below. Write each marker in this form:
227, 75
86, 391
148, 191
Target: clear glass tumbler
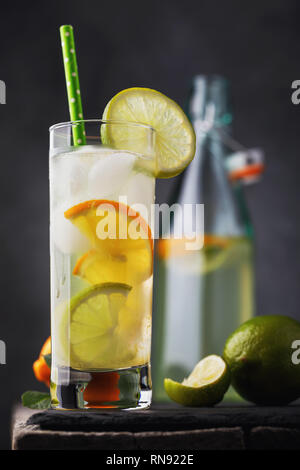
101, 250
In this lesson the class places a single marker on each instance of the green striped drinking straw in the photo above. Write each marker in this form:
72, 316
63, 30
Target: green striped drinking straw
72, 82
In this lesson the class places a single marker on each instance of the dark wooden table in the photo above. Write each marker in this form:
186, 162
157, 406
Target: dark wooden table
162, 427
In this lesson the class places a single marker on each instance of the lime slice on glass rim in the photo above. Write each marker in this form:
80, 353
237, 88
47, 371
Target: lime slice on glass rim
175, 140
88, 324
205, 386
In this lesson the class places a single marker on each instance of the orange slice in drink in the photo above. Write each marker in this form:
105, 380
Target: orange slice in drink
121, 242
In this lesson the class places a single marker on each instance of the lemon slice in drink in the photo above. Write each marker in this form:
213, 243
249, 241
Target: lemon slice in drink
122, 258
174, 135
205, 386
88, 324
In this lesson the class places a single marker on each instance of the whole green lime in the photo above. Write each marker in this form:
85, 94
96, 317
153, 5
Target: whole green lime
259, 355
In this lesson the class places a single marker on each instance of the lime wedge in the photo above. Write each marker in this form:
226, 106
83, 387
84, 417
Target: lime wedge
175, 139
88, 324
205, 386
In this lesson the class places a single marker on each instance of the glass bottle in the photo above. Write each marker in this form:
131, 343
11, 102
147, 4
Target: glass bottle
202, 296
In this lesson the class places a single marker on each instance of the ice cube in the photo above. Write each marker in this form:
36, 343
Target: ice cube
109, 174
64, 234
139, 191
68, 176
78, 178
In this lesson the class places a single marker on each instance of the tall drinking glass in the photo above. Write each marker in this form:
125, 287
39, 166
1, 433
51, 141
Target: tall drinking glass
101, 250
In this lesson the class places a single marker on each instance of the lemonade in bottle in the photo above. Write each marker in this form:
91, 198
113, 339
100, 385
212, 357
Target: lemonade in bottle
204, 294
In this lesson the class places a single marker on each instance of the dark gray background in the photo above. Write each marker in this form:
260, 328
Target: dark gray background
157, 44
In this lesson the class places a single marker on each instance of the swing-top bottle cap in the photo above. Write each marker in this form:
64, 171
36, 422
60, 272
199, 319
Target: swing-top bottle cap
246, 165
